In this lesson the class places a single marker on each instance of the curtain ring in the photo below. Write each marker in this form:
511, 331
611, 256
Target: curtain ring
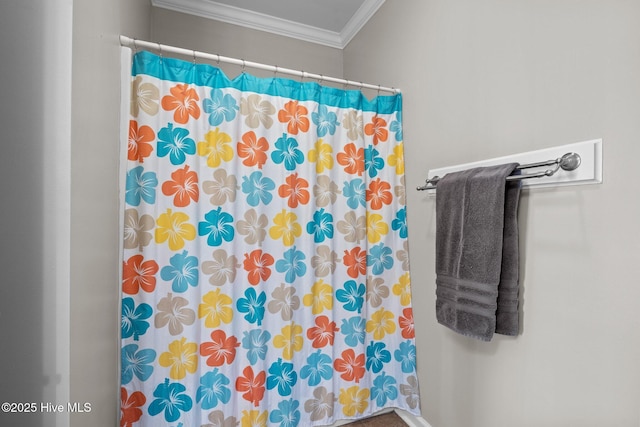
243, 65
194, 57
160, 48
301, 76
218, 59
135, 48
275, 71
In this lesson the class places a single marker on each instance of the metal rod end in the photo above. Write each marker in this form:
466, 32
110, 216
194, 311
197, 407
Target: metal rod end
570, 161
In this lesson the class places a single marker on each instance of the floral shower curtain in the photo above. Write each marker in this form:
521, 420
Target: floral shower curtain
265, 275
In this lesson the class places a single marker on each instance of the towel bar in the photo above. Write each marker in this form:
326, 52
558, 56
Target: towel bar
568, 162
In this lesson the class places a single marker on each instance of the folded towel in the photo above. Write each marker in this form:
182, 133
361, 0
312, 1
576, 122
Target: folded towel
477, 252
507, 311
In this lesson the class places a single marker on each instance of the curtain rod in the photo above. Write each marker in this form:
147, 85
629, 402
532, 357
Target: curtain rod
129, 42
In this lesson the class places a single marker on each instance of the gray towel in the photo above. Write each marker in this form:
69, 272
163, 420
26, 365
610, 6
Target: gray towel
477, 252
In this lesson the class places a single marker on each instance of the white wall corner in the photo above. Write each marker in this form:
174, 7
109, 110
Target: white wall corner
358, 20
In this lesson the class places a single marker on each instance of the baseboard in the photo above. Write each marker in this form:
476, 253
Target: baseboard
412, 420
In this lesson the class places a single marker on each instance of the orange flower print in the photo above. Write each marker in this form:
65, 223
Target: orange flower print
184, 101
220, 350
137, 273
352, 159
252, 385
130, 411
139, 138
350, 366
356, 262
379, 194
257, 265
253, 150
322, 334
184, 184
295, 116
406, 323
377, 128
296, 189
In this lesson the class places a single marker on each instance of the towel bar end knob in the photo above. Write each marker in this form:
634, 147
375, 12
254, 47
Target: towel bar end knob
570, 161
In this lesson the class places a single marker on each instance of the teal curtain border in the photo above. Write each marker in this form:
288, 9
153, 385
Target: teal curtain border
181, 71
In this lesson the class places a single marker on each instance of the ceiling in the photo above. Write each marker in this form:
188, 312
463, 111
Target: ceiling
328, 22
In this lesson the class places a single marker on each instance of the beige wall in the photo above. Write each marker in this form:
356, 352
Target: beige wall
483, 79
94, 201
60, 121
35, 118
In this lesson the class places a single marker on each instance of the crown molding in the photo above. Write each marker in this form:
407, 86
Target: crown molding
358, 20
259, 21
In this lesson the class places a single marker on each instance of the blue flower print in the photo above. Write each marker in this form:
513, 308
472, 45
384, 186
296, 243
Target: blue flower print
253, 305
213, 390
377, 356
292, 265
221, 107
255, 341
321, 227
373, 162
352, 295
175, 143
218, 226
379, 258
257, 188
319, 366
384, 388
282, 376
355, 191
133, 323
325, 120
406, 355
134, 362
400, 223
396, 126
287, 414
354, 330
183, 271
171, 399
140, 185
287, 152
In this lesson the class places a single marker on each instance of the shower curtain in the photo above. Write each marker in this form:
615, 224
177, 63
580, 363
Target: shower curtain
265, 268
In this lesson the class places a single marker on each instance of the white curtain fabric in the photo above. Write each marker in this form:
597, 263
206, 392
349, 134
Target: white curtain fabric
265, 275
